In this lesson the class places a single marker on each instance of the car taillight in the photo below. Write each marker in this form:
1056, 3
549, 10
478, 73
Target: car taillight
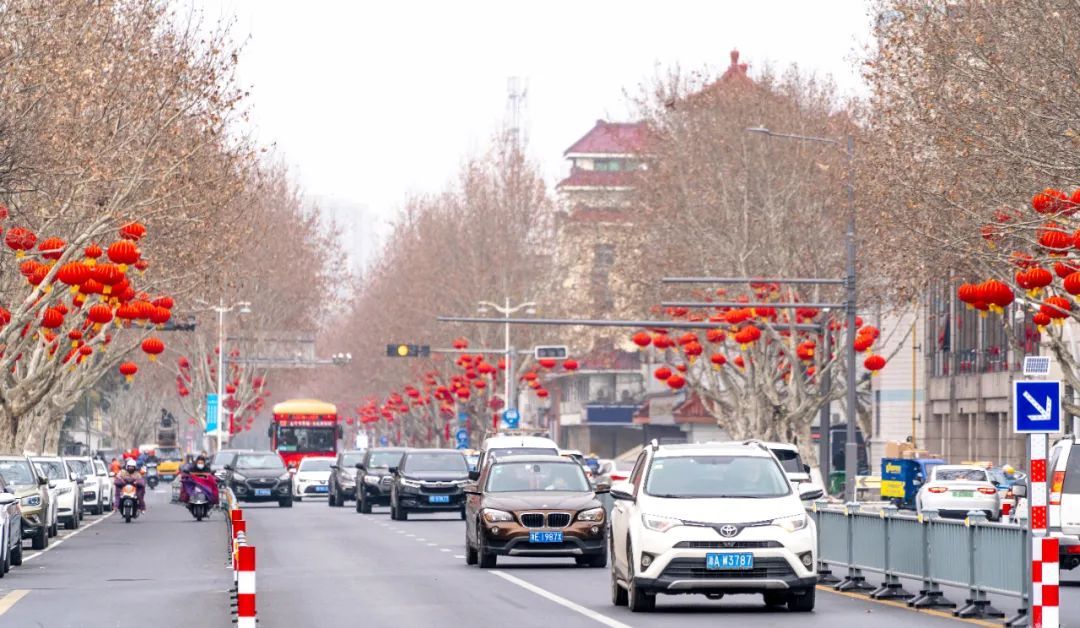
1055, 488
1072, 549
987, 490
1006, 508
937, 489
619, 477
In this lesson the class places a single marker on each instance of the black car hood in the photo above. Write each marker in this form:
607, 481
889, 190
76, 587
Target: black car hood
436, 476
541, 500
261, 473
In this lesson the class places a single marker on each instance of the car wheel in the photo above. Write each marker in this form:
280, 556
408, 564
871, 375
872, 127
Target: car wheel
298, 499
618, 594
41, 539
471, 555
463, 514
775, 598
363, 506
393, 511
285, 503
486, 559
801, 601
331, 501
16, 554
637, 599
71, 523
402, 514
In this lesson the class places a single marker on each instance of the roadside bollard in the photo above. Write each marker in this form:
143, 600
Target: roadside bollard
977, 605
930, 595
245, 587
1045, 579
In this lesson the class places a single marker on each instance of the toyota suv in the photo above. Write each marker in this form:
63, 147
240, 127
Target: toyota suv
714, 519
1064, 485
428, 480
541, 506
32, 489
373, 473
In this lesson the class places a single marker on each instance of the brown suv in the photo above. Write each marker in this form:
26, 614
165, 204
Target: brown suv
541, 506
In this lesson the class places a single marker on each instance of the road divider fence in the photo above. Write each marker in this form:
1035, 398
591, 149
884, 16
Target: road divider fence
242, 559
981, 556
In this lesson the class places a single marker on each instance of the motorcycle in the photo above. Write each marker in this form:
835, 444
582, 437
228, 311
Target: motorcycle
129, 502
200, 494
152, 477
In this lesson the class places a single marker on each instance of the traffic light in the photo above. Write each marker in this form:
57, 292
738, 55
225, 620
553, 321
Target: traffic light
408, 351
556, 352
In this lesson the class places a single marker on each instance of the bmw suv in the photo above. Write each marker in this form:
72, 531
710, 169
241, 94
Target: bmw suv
714, 519
428, 480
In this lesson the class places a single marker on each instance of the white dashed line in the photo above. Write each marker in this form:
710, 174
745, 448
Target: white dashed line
432, 544
459, 556
577, 608
443, 550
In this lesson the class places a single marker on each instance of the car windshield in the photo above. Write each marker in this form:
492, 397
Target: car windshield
536, 476
960, 475
315, 464
385, 458
304, 439
259, 461
349, 460
51, 469
17, 472
502, 452
997, 476
435, 463
716, 476
789, 460
222, 458
81, 467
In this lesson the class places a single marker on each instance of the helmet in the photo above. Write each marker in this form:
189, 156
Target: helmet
129, 464
1008, 469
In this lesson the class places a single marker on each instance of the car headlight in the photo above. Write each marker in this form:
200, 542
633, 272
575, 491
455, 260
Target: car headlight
238, 477
491, 515
659, 524
371, 479
592, 514
410, 483
285, 477
793, 523
348, 479
31, 501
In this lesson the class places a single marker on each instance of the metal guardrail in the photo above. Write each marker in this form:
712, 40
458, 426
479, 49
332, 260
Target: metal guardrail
981, 556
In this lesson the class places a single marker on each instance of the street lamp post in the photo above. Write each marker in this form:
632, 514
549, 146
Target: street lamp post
851, 447
506, 310
244, 307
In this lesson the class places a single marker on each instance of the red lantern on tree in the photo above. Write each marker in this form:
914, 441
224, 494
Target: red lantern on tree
570, 365
662, 373
123, 253
874, 363
52, 248
461, 343
153, 347
20, 240
52, 318
1057, 308
99, 315
547, 363
642, 339
676, 381
132, 231
718, 360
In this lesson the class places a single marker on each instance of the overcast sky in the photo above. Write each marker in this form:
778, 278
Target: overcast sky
372, 101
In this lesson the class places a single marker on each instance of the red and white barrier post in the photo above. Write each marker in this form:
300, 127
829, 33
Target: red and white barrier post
1044, 550
245, 587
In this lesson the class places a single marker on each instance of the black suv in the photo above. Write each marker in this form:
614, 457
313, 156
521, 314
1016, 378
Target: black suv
373, 477
428, 480
343, 477
259, 476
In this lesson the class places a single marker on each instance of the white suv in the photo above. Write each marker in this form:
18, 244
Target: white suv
1064, 487
713, 518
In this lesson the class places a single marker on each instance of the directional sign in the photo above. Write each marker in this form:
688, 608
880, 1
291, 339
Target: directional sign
462, 438
384, 441
1036, 407
463, 417
512, 418
211, 412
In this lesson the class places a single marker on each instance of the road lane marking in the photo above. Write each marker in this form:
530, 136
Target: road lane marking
432, 544
411, 535
577, 608
63, 539
11, 599
459, 556
443, 549
903, 605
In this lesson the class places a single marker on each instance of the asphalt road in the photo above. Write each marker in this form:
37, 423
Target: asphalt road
163, 569
322, 566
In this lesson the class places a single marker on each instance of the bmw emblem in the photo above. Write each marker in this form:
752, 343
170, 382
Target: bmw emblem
728, 531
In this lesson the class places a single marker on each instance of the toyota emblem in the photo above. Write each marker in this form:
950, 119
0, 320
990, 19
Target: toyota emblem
728, 531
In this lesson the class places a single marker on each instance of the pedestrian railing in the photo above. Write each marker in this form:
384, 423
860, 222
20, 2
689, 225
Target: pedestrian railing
975, 554
242, 558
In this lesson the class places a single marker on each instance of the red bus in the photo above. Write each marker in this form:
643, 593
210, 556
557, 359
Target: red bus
304, 428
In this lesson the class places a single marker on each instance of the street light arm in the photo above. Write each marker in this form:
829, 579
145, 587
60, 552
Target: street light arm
793, 136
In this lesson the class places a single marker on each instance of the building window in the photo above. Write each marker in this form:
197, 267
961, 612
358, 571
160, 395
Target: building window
600, 276
608, 165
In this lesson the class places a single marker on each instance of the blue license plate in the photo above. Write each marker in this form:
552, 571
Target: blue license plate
322, 489
262, 492
545, 537
733, 560
438, 499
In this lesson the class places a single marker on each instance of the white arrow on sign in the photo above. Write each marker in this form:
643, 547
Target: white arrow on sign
1044, 412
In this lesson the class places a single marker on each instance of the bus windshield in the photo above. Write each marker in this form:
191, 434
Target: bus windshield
305, 439
168, 453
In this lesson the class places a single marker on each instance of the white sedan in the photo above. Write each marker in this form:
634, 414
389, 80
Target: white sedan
312, 478
955, 490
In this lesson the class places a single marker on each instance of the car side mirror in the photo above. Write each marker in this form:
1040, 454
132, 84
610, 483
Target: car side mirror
622, 491
810, 492
602, 487
806, 468
6, 499
1019, 490
52, 484
360, 466
470, 488
335, 467
474, 475
392, 470
228, 467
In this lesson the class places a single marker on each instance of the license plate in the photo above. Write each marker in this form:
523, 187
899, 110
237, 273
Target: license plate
740, 560
963, 493
438, 499
262, 492
545, 537
322, 489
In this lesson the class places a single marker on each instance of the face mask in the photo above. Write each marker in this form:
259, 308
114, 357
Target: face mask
200, 465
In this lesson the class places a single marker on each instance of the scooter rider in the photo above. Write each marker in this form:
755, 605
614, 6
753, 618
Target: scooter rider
130, 475
199, 469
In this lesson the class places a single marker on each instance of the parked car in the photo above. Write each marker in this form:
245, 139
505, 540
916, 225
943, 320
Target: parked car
374, 475
343, 476
711, 518
542, 506
312, 478
32, 490
66, 489
259, 476
955, 490
106, 482
428, 480
10, 528
91, 498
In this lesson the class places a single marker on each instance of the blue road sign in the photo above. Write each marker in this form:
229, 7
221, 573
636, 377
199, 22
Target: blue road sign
384, 441
512, 418
462, 438
211, 412
1036, 406
463, 417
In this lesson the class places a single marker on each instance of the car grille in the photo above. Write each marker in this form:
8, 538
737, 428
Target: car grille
694, 568
558, 519
727, 544
532, 520
261, 483
384, 482
439, 489
539, 520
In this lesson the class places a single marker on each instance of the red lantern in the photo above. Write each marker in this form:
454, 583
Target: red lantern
570, 364
159, 315
717, 360
863, 342
715, 336
132, 231
20, 240
461, 343
662, 373
642, 339
676, 381
52, 318
1040, 319
164, 301
52, 248
100, 314
1072, 284
1056, 307
123, 253
5, 317
153, 347
1054, 239
1049, 201
739, 362
547, 362
542, 393
108, 275
874, 363
73, 274
693, 349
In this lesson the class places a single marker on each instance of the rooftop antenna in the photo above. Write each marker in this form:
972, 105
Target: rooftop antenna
517, 89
